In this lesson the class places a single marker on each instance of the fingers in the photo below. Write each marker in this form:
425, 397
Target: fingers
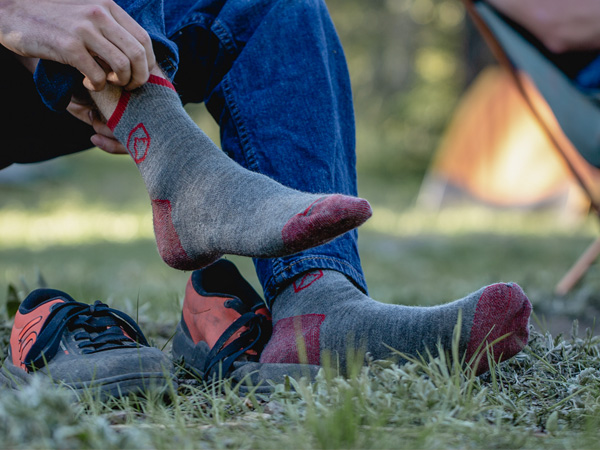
126, 48
118, 42
140, 53
108, 145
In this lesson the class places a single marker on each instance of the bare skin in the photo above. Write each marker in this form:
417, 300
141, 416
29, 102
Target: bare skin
559, 24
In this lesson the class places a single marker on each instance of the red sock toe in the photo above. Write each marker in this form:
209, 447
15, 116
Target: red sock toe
503, 310
325, 219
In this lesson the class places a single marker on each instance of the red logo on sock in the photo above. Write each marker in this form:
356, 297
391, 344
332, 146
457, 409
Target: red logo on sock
307, 280
138, 143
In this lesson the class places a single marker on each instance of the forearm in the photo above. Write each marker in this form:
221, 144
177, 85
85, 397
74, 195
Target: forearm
560, 25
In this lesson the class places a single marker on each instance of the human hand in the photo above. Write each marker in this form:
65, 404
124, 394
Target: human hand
560, 25
104, 139
97, 37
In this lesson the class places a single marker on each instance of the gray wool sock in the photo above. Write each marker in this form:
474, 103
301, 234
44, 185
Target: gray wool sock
322, 312
206, 205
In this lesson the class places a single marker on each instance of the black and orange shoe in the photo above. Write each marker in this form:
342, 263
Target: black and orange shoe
224, 327
81, 346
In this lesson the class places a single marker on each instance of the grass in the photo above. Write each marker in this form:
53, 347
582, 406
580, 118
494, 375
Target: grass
84, 227
547, 397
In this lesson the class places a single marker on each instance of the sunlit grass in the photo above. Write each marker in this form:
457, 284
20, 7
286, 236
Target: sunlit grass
77, 222
464, 220
69, 225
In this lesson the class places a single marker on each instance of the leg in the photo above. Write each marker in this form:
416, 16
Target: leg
284, 107
495, 316
204, 204
273, 75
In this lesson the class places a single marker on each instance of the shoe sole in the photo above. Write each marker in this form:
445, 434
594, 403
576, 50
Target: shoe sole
116, 386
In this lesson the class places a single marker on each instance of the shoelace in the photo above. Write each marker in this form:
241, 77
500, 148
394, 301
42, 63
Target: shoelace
103, 328
221, 357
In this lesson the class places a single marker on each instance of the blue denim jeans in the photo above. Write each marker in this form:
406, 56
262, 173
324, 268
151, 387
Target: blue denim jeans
273, 75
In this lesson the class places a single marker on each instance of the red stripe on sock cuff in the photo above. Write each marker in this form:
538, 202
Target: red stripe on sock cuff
119, 110
160, 81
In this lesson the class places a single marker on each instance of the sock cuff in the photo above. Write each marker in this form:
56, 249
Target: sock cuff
116, 116
161, 82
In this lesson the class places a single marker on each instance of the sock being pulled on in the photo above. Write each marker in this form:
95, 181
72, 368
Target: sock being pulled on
323, 312
206, 205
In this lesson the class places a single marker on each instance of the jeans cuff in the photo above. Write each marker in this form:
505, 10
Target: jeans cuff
284, 274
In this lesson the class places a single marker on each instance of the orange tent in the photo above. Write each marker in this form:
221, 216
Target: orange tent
495, 151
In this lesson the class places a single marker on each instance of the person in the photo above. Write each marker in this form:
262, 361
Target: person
561, 29
568, 37
273, 75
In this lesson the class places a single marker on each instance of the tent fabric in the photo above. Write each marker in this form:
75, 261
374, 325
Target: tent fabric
577, 112
494, 150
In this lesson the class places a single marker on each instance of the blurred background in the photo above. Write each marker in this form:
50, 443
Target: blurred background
458, 202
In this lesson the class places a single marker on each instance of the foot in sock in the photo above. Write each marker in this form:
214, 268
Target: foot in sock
322, 312
204, 204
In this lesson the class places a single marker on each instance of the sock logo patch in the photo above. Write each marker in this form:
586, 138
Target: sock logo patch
307, 280
138, 143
